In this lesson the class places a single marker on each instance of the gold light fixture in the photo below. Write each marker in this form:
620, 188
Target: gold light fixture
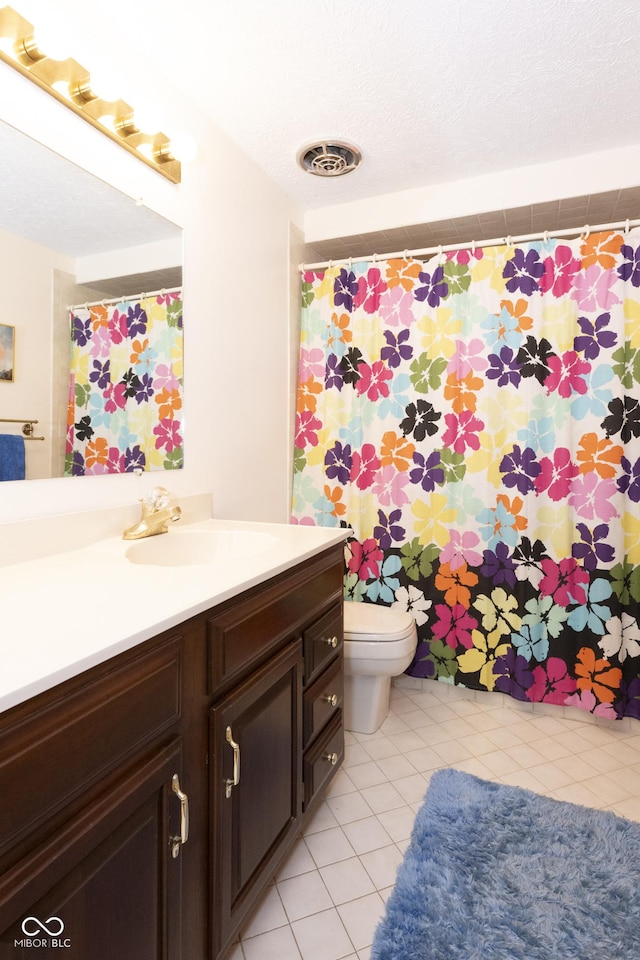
70, 83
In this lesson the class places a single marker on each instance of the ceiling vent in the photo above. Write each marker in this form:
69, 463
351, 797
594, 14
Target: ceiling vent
330, 158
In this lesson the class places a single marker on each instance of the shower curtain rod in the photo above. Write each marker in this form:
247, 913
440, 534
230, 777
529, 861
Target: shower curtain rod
495, 241
106, 303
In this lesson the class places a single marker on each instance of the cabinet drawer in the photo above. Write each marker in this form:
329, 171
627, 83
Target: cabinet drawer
321, 699
247, 632
66, 743
322, 759
321, 641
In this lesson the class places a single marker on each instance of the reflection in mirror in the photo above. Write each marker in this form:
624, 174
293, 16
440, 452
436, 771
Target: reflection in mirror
125, 391
73, 246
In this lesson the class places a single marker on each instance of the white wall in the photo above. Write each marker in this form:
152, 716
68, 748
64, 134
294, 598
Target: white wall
236, 279
26, 266
536, 183
127, 260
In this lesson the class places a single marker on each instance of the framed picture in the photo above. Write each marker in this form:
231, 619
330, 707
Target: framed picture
7, 351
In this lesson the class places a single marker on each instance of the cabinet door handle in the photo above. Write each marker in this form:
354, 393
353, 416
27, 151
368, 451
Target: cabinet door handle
230, 784
331, 699
177, 842
331, 758
330, 641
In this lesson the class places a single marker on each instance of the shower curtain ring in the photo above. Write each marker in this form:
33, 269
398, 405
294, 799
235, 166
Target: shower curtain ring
545, 236
587, 231
626, 227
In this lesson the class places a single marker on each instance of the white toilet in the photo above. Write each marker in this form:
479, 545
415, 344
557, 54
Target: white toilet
379, 643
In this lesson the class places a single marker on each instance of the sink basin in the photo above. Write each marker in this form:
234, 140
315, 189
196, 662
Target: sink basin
199, 547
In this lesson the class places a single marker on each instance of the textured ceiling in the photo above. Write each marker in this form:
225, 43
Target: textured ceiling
48, 200
431, 91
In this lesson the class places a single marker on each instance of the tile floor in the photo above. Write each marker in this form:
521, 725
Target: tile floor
326, 901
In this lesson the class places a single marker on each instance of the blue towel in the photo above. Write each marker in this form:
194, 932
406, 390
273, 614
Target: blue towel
11, 457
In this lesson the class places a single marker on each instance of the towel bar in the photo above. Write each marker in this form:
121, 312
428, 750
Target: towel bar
27, 427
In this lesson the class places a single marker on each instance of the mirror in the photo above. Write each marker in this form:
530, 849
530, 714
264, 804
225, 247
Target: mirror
67, 239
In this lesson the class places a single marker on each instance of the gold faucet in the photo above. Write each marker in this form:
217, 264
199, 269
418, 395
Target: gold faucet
156, 514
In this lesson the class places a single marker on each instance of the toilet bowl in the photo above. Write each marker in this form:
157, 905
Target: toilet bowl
379, 643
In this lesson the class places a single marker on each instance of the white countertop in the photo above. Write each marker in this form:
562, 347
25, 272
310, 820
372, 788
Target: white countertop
65, 613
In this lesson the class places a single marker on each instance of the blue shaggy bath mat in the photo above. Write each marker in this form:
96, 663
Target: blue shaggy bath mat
500, 873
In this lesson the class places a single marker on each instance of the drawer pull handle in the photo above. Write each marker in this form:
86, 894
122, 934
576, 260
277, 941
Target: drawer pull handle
332, 699
177, 842
230, 784
331, 758
330, 641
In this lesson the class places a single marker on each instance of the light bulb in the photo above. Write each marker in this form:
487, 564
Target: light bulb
62, 87
146, 117
105, 82
53, 40
183, 147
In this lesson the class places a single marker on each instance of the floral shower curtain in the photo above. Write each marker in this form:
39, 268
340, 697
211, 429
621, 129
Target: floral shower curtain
475, 419
125, 394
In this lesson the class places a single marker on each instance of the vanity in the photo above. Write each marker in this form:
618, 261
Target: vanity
172, 722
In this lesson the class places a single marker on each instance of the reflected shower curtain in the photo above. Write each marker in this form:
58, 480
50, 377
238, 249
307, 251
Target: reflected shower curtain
125, 394
475, 419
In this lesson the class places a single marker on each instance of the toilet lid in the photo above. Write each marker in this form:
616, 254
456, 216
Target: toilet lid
373, 622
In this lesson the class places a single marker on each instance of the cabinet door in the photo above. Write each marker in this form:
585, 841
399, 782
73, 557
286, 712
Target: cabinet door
255, 740
107, 885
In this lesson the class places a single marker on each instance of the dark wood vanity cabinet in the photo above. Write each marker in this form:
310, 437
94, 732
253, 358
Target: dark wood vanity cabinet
236, 714
88, 811
268, 655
